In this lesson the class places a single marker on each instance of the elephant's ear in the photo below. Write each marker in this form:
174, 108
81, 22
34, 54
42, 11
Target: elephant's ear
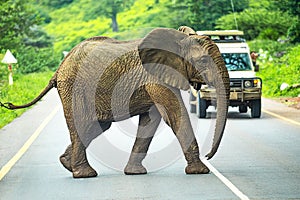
161, 55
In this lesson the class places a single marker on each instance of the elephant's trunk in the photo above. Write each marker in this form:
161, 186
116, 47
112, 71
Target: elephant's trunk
221, 83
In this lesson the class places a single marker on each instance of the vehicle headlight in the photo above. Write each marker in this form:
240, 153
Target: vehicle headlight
248, 84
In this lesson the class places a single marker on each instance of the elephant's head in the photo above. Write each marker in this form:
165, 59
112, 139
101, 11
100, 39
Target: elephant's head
180, 60
187, 30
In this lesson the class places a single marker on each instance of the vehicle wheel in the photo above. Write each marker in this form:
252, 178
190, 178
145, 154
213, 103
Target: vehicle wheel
256, 108
193, 106
201, 107
243, 109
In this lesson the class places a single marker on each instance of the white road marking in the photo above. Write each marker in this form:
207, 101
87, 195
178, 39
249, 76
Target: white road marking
232, 187
7, 167
281, 117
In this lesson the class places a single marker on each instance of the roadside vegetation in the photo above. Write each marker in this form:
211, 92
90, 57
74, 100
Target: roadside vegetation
38, 31
25, 88
283, 70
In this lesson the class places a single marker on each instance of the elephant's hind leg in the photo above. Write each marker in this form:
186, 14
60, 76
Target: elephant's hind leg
148, 123
65, 158
82, 126
74, 159
79, 163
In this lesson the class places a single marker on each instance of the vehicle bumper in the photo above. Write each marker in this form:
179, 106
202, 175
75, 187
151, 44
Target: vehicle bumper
235, 94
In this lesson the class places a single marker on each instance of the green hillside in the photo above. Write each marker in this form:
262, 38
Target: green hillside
70, 24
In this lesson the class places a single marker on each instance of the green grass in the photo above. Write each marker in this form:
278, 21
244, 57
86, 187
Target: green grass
69, 26
281, 70
24, 89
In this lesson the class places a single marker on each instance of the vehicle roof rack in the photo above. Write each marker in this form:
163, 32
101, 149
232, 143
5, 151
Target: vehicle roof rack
226, 36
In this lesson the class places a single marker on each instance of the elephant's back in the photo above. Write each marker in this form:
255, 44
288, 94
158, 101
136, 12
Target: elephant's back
90, 58
105, 73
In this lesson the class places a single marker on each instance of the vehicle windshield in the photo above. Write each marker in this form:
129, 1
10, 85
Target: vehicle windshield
237, 61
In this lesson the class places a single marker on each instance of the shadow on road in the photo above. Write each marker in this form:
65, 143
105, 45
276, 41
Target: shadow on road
231, 115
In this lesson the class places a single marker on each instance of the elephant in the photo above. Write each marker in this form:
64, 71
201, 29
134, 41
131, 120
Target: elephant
104, 80
187, 30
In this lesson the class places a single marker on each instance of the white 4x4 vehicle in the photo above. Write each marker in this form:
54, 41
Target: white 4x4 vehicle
245, 87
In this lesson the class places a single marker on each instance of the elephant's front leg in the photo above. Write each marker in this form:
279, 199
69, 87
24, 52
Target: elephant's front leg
173, 111
148, 123
182, 128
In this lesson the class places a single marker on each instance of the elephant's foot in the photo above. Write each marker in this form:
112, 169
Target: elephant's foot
135, 169
66, 162
65, 158
84, 171
196, 168
195, 165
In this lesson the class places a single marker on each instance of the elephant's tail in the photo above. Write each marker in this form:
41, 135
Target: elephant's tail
52, 83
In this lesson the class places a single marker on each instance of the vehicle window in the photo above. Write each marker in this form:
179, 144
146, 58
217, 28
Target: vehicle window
237, 61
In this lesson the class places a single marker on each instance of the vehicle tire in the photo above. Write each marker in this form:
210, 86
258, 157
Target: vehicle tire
201, 107
192, 106
256, 108
243, 108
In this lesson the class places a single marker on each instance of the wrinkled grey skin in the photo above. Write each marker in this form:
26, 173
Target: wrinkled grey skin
187, 30
103, 80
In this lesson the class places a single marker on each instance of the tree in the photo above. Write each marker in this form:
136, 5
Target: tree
262, 23
15, 22
109, 8
177, 14
294, 31
259, 4
202, 14
21, 34
291, 7
267, 20
54, 3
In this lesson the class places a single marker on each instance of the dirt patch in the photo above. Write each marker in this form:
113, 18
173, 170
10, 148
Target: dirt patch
293, 102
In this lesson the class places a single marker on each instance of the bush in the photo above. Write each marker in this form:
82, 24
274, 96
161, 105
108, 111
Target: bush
24, 89
282, 70
269, 49
57, 3
261, 23
294, 32
3, 72
32, 59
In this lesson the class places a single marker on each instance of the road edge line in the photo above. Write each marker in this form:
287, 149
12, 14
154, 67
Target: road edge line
222, 178
281, 117
7, 167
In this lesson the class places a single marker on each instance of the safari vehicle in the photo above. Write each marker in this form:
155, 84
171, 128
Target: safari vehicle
245, 87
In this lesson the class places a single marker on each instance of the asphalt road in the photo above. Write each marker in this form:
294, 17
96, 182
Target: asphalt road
257, 159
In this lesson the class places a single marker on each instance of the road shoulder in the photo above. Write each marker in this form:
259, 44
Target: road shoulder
15, 134
280, 109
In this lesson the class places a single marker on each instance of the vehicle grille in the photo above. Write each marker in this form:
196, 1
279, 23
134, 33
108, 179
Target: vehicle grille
235, 83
